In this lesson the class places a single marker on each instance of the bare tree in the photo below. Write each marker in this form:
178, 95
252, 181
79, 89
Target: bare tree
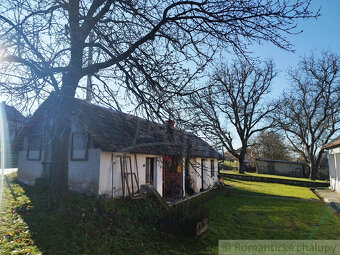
234, 99
141, 47
309, 112
271, 144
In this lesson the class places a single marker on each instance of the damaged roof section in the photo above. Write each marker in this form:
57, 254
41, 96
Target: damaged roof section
115, 131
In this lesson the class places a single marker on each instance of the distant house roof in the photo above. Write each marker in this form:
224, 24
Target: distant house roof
334, 143
115, 131
279, 161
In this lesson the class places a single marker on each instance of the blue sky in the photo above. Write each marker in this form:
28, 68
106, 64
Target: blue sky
323, 33
317, 35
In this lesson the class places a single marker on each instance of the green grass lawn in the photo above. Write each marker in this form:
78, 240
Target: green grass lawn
273, 189
233, 164
93, 226
273, 176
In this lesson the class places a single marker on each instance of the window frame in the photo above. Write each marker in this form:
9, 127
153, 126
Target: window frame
212, 167
86, 147
28, 148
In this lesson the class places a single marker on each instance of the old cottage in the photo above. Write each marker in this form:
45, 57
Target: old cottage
113, 153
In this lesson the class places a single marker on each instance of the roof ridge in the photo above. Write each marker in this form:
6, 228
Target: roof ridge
129, 133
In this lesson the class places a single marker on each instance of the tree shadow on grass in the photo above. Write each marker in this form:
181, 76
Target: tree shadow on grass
89, 226
96, 226
93, 226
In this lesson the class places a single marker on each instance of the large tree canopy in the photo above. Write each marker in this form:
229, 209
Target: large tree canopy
235, 97
145, 47
151, 49
271, 144
309, 112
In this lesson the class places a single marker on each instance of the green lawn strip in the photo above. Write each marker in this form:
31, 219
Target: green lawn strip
272, 176
15, 234
230, 164
263, 218
93, 226
272, 189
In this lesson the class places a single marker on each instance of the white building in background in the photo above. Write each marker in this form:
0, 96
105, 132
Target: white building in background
13, 121
112, 153
333, 148
279, 167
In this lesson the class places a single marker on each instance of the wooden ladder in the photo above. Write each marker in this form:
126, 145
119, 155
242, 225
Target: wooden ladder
129, 177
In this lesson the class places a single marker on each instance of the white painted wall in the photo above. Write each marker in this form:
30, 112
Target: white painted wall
195, 171
94, 175
196, 175
334, 169
208, 178
110, 166
83, 175
29, 170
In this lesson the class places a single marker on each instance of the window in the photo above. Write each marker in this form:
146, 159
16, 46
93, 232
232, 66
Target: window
212, 167
149, 170
34, 147
79, 146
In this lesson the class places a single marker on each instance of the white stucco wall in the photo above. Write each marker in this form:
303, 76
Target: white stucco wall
196, 173
334, 168
110, 167
29, 170
94, 175
83, 175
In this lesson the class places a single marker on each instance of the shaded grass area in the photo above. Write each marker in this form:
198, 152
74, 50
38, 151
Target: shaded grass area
274, 176
230, 163
272, 189
93, 226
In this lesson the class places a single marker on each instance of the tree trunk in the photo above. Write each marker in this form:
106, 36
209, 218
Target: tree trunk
241, 164
313, 171
60, 153
61, 131
313, 166
241, 157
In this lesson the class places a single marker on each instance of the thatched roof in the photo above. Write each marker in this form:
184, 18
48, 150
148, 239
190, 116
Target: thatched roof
114, 131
